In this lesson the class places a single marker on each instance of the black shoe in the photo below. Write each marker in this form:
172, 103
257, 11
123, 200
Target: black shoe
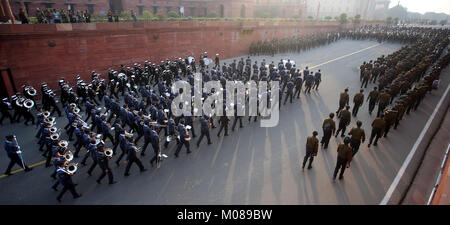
79, 195
334, 178
226, 134
99, 182
90, 174
151, 163
54, 177
28, 169
198, 145
84, 164
368, 145
375, 144
309, 167
54, 188
176, 155
59, 199
341, 177
209, 143
112, 182
127, 174
142, 154
117, 163
143, 170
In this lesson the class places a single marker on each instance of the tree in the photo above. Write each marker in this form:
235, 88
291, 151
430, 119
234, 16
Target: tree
343, 18
147, 14
172, 14
357, 19
213, 15
389, 20
396, 20
328, 18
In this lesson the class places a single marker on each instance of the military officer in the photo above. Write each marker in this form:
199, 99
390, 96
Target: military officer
344, 121
358, 100
358, 136
373, 99
328, 127
343, 159
343, 100
312, 146
378, 125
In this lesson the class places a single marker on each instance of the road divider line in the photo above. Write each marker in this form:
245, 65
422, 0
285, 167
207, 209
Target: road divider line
408, 159
344, 56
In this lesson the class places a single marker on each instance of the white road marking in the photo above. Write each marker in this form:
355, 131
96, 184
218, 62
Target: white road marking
344, 56
408, 159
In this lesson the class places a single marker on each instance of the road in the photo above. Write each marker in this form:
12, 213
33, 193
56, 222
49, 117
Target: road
252, 165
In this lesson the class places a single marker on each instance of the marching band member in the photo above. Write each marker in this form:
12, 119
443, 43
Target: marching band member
12, 149
132, 158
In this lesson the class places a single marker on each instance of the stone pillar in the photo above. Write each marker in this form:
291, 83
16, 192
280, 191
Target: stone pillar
7, 12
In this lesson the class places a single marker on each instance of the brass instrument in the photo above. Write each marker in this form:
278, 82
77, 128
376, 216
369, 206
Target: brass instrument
63, 144
71, 168
20, 101
28, 103
50, 120
54, 136
76, 110
108, 152
73, 105
31, 91
68, 156
46, 114
53, 129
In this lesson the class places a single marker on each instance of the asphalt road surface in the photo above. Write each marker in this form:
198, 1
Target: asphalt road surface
252, 165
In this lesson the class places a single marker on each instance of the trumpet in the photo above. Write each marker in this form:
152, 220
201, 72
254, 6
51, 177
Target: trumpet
71, 168
54, 136
28, 103
63, 144
68, 156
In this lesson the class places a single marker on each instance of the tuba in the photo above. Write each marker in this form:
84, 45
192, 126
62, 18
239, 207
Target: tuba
53, 129
28, 103
72, 168
63, 144
54, 136
68, 156
31, 91
20, 101
46, 114
108, 152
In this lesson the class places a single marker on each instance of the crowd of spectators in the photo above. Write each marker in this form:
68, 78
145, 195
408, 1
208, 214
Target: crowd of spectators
50, 15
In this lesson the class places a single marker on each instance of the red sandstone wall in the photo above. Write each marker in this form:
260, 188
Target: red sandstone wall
81, 48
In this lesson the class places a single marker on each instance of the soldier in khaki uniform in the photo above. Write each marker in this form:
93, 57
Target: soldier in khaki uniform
378, 125
329, 127
400, 108
384, 100
366, 78
345, 118
390, 116
358, 100
343, 100
312, 146
343, 159
358, 136
372, 98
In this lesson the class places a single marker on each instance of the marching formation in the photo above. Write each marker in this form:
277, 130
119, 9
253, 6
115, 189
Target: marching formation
134, 103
